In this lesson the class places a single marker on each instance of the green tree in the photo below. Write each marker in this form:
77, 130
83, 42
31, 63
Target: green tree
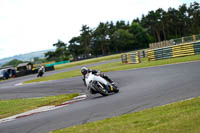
13, 63
124, 40
156, 26
85, 38
194, 15
141, 37
50, 56
101, 38
35, 59
61, 53
75, 47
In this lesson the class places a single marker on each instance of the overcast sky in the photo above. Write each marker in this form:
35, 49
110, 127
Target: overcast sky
33, 25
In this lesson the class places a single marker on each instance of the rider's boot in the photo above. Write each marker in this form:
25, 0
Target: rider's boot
109, 80
114, 85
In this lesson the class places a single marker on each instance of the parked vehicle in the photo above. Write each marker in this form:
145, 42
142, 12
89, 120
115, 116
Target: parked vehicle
11, 72
4, 74
96, 84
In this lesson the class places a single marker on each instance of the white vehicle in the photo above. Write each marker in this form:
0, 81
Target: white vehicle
96, 84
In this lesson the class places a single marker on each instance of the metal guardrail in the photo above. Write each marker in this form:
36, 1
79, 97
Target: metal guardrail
57, 63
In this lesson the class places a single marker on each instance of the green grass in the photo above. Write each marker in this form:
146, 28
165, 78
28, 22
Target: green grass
119, 66
16, 106
180, 117
88, 61
115, 66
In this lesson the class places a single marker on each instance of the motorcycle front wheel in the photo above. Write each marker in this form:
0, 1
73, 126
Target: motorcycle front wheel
101, 89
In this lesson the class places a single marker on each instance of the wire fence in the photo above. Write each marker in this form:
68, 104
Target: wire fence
188, 39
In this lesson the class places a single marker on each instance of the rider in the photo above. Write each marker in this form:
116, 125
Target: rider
41, 71
85, 70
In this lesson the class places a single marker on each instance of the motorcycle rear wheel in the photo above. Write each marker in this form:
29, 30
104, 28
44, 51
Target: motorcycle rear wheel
116, 90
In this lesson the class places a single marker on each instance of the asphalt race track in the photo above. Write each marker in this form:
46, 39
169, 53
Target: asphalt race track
10, 90
139, 89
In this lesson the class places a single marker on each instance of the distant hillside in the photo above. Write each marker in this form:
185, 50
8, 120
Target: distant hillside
25, 57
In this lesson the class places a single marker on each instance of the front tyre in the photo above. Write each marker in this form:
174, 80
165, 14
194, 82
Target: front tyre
103, 92
101, 89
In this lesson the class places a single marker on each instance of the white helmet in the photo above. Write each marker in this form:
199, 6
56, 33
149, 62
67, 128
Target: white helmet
84, 70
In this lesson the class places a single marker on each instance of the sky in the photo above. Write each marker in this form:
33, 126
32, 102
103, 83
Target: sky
34, 25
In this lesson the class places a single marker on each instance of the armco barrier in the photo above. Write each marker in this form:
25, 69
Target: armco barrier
131, 58
50, 68
57, 63
174, 51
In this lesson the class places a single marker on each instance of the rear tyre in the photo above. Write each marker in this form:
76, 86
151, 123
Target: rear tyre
103, 92
116, 90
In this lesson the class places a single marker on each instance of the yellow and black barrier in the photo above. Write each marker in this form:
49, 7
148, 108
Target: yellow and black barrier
174, 51
131, 58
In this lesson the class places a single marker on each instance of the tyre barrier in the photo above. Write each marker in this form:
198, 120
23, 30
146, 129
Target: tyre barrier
174, 51
124, 58
131, 58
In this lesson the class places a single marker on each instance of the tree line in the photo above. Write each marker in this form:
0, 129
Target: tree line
109, 37
16, 62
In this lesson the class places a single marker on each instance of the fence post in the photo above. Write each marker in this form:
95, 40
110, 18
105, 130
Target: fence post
168, 43
194, 38
165, 43
144, 53
182, 40
139, 56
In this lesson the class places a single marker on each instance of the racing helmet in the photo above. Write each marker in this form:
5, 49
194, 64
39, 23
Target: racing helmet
84, 70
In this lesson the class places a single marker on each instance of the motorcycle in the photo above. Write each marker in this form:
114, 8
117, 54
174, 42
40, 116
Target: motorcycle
96, 84
40, 73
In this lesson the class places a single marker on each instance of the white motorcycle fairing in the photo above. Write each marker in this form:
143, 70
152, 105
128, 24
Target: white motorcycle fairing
97, 84
91, 77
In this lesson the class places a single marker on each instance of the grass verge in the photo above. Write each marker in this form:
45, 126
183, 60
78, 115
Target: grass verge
88, 61
179, 117
115, 66
16, 106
